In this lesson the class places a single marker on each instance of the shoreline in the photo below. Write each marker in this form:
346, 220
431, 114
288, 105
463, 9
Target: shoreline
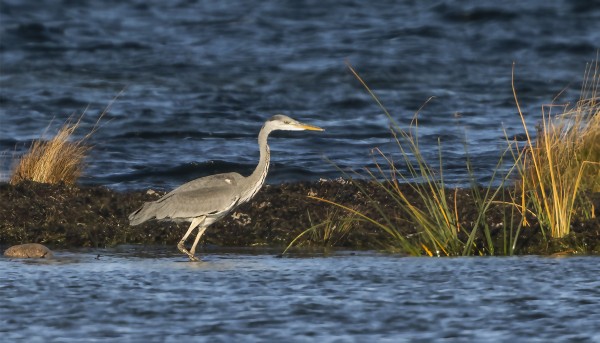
62, 216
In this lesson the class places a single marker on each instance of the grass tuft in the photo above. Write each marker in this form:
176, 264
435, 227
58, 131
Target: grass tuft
53, 161
60, 159
434, 217
562, 164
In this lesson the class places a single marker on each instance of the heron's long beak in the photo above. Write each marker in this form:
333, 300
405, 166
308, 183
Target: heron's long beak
310, 127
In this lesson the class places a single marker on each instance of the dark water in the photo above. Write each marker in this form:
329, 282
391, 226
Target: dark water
198, 78
151, 295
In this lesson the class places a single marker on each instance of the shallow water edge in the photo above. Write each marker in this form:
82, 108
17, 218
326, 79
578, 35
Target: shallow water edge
149, 294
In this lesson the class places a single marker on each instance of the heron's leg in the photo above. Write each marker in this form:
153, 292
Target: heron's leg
195, 222
200, 232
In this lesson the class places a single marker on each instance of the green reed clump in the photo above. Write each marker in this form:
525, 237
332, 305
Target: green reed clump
435, 218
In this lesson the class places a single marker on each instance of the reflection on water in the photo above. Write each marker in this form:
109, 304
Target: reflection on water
153, 295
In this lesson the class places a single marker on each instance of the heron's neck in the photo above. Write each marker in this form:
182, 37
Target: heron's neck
257, 179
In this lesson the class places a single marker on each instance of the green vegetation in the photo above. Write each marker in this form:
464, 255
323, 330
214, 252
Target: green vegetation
553, 174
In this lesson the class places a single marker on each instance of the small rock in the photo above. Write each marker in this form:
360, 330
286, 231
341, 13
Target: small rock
29, 250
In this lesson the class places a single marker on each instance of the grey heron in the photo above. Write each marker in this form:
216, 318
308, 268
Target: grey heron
208, 199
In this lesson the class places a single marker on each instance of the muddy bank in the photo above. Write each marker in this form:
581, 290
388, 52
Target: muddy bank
69, 216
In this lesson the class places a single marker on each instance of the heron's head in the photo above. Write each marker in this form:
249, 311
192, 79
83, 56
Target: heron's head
281, 122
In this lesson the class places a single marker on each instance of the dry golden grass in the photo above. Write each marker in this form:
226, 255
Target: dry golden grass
564, 159
571, 141
59, 159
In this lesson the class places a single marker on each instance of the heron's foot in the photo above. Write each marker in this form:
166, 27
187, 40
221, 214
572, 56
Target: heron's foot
182, 248
192, 257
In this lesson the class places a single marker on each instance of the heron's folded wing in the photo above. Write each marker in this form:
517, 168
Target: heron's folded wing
197, 202
211, 181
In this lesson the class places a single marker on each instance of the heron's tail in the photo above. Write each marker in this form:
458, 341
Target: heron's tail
142, 214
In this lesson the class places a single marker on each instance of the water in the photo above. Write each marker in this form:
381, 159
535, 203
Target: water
152, 295
198, 78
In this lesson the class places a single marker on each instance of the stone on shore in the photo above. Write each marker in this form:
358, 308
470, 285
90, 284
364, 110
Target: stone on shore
29, 250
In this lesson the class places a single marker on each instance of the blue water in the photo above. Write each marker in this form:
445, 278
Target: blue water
154, 295
196, 79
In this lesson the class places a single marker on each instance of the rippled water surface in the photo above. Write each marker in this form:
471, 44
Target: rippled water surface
198, 79
153, 295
